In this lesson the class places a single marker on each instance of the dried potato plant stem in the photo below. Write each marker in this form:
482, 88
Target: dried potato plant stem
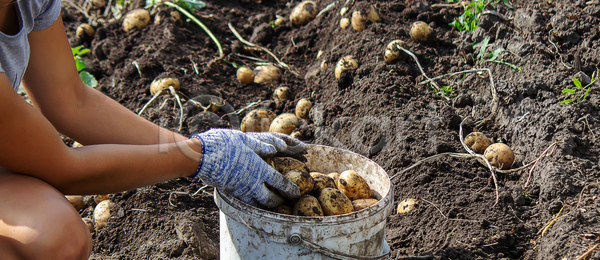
174, 93
495, 98
435, 85
588, 253
281, 63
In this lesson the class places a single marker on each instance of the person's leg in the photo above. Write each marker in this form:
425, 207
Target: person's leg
37, 222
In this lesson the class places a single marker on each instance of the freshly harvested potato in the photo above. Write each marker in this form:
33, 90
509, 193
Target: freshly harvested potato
76, 201
245, 75
89, 223
334, 202
102, 213
304, 13
283, 209
285, 123
353, 185
137, 18
99, 198
392, 51
345, 63
335, 176
303, 107
420, 31
162, 84
85, 32
303, 179
361, 16
286, 164
363, 203
98, 4
258, 120
344, 22
499, 155
308, 205
282, 93
267, 74
322, 181
477, 141
406, 205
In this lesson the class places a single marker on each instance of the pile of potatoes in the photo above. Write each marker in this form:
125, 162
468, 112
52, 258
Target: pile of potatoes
101, 211
498, 154
322, 194
263, 120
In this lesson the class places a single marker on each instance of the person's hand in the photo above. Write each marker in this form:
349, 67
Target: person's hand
231, 162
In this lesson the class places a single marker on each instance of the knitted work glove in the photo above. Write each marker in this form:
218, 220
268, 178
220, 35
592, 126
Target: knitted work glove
231, 162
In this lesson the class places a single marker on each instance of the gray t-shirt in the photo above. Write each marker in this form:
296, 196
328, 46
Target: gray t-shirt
14, 49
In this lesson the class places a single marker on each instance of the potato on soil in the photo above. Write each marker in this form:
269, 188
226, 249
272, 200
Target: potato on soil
267, 74
304, 13
245, 75
363, 203
99, 3
283, 209
420, 31
406, 205
102, 213
85, 32
303, 179
322, 181
89, 223
344, 22
345, 63
258, 120
161, 84
477, 141
137, 18
282, 93
286, 164
500, 156
76, 201
365, 12
334, 202
353, 185
308, 205
303, 107
392, 51
285, 123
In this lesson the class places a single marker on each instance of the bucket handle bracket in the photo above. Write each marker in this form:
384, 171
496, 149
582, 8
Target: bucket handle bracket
296, 239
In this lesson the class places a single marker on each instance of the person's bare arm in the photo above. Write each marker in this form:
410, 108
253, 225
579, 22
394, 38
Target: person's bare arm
76, 110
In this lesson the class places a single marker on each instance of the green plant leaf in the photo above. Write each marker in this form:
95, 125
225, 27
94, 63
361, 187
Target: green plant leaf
577, 83
568, 90
88, 79
192, 4
566, 101
494, 55
484, 45
80, 64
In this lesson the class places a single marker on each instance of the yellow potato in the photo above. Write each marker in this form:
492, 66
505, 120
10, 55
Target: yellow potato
477, 141
137, 18
344, 22
267, 74
285, 123
322, 181
162, 84
304, 13
286, 164
353, 185
308, 206
303, 179
258, 120
499, 155
406, 205
334, 202
360, 17
345, 63
76, 201
102, 213
85, 32
392, 51
420, 31
335, 176
245, 75
282, 93
303, 107
363, 203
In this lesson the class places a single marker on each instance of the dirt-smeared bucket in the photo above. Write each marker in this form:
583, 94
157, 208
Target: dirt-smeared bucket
248, 232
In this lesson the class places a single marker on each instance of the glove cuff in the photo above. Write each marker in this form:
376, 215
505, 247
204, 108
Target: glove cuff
209, 161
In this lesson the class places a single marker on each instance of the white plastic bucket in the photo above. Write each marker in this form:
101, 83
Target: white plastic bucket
250, 233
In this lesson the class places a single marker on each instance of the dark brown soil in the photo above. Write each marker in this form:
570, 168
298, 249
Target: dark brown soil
379, 110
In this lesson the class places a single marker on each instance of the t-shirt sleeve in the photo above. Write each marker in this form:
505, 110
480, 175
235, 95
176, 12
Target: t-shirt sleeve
48, 14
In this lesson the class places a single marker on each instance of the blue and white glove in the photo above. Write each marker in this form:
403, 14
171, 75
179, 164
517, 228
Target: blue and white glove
231, 162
